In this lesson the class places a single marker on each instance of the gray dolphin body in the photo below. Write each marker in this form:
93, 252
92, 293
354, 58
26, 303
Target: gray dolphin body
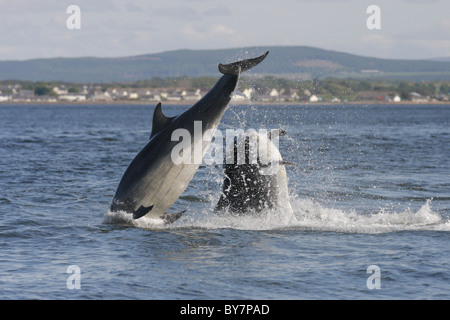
252, 186
153, 181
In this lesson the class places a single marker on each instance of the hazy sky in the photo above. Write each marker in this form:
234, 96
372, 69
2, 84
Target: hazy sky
37, 28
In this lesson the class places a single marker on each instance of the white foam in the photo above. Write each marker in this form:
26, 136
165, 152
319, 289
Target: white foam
126, 219
307, 215
313, 216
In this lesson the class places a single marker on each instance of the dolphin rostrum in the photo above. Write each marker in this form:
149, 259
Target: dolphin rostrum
154, 181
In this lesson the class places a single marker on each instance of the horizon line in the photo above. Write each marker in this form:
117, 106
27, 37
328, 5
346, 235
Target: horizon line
438, 59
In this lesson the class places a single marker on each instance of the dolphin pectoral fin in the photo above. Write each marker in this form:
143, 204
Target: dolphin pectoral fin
160, 121
172, 217
236, 68
276, 133
141, 211
288, 163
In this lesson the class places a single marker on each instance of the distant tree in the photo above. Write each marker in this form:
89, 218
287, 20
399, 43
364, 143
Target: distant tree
316, 86
73, 90
28, 86
444, 88
404, 89
363, 85
42, 89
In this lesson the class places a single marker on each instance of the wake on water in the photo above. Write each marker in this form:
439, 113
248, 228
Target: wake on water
307, 215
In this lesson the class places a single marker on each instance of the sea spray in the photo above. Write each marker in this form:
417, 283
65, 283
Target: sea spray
308, 215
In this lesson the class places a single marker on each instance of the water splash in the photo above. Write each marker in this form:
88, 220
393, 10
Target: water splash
308, 215
313, 216
322, 145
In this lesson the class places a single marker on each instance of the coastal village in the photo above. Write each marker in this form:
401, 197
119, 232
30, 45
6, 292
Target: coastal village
93, 94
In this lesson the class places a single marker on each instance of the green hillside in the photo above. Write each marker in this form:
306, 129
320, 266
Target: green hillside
301, 62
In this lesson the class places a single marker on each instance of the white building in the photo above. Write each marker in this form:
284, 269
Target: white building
72, 97
133, 95
237, 97
274, 93
100, 96
248, 93
191, 96
313, 98
59, 91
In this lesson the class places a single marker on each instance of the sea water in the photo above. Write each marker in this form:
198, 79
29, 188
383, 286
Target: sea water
370, 195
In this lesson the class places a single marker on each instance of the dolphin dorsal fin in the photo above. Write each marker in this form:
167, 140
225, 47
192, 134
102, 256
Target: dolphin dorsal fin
160, 121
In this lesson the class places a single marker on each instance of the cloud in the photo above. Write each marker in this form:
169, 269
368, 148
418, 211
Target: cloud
220, 29
207, 33
217, 11
24, 6
410, 28
444, 26
378, 40
209, 37
177, 12
424, 1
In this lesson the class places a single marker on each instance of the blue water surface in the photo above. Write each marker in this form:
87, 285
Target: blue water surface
371, 188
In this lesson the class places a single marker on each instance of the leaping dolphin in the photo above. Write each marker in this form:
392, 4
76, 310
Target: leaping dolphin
153, 181
252, 186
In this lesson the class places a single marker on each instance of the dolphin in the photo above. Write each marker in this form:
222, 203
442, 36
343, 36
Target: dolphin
155, 179
252, 186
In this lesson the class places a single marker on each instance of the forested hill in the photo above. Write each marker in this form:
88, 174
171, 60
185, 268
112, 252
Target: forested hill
300, 62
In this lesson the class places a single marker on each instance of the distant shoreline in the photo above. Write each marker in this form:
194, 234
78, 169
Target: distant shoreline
187, 102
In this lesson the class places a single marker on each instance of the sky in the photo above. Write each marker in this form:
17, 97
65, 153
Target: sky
409, 29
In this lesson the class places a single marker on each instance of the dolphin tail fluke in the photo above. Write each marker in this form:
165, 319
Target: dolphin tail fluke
236, 68
172, 217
